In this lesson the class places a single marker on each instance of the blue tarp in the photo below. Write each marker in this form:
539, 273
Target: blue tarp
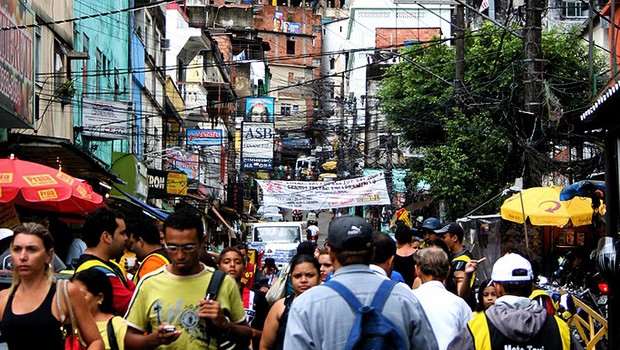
586, 188
149, 209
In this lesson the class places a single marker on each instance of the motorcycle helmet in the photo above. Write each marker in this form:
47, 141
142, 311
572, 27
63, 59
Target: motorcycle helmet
431, 224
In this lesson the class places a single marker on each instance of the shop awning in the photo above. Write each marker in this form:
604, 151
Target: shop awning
219, 216
149, 210
55, 152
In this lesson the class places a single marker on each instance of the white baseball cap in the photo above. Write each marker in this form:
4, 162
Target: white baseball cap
5, 232
512, 268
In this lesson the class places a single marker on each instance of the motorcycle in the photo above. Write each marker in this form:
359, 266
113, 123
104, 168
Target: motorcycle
297, 215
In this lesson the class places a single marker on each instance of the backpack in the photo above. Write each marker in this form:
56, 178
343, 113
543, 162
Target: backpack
371, 330
224, 342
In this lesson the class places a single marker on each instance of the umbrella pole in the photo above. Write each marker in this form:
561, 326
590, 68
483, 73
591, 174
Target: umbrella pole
527, 240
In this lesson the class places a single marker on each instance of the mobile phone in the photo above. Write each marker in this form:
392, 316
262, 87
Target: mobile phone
169, 328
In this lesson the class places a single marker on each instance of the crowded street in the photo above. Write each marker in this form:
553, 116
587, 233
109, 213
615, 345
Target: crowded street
309, 174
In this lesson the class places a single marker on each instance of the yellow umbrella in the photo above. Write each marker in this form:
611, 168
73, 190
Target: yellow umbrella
542, 205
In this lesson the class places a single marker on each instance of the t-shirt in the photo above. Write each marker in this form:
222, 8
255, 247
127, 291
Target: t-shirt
120, 329
313, 230
406, 266
247, 279
151, 262
164, 297
122, 288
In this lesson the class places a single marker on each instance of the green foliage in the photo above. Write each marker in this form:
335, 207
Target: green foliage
478, 142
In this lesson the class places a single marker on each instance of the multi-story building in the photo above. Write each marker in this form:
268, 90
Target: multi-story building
293, 31
103, 112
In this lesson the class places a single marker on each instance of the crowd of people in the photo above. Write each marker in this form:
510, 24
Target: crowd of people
362, 288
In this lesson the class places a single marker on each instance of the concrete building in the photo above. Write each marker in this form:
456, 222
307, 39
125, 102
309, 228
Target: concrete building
102, 83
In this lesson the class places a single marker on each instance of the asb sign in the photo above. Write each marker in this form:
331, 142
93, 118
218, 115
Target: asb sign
257, 146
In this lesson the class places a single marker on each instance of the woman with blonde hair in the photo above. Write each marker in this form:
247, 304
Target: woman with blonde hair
30, 304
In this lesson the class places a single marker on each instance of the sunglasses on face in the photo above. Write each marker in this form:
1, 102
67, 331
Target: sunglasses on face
173, 248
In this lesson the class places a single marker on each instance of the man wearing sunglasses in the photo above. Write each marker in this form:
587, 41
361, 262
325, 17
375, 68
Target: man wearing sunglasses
175, 295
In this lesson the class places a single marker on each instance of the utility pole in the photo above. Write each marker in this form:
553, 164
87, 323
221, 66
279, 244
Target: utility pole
533, 78
340, 133
591, 82
353, 140
389, 166
459, 43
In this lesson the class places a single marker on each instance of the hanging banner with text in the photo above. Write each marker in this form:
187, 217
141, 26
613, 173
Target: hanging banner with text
317, 195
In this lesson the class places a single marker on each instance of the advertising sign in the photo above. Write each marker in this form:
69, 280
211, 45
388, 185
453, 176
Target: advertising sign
292, 27
317, 195
184, 161
204, 137
157, 182
277, 21
177, 183
105, 119
259, 109
258, 146
16, 65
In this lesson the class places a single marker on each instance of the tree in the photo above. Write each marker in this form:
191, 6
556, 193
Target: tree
476, 144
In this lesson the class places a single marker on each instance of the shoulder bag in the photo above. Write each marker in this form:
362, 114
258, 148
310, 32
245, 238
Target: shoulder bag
277, 290
74, 340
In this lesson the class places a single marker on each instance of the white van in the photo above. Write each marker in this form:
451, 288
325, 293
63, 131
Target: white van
277, 240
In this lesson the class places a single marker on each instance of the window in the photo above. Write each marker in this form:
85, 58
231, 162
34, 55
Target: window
59, 63
332, 63
575, 9
148, 36
37, 47
85, 62
98, 70
117, 83
290, 47
104, 73
285, 109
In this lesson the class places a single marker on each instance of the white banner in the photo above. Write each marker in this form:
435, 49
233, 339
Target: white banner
316, 195
106, 119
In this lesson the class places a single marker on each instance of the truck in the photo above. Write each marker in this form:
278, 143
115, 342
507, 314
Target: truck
277, 240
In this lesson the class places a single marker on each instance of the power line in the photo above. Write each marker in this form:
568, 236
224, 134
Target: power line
94, 15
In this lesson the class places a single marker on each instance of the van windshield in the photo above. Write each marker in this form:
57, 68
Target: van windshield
276, 234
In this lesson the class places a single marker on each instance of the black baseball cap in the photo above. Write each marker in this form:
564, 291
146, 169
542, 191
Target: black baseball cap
452, 228
349, 232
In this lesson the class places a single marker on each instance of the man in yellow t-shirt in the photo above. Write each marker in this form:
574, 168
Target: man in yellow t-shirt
175, 295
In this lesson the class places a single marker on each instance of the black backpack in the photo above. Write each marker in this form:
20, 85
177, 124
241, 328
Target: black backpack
223, 342
371, 330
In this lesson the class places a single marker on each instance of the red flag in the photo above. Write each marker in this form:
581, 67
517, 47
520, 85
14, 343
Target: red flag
484, 6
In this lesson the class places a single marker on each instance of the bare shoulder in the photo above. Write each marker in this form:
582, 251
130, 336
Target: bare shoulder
74, 291
278, 307
4, 297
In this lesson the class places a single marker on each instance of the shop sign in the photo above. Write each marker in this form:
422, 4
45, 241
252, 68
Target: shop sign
204, 137
157, 182
177, 183
17, 64
258, 141
8, 216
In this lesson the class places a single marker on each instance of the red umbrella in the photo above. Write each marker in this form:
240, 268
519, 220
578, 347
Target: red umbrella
40, 187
